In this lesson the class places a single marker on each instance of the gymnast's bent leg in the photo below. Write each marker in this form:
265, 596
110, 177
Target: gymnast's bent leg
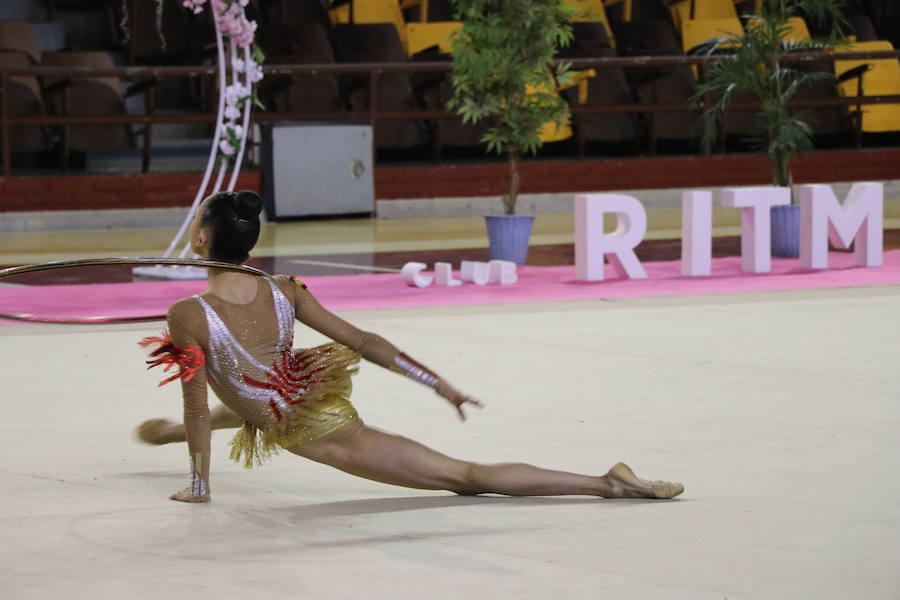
379, 456
164, 431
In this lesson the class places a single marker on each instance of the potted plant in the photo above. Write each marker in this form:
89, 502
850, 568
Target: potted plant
752, 64
503, 71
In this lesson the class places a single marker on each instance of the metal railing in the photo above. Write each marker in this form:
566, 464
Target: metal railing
374, 71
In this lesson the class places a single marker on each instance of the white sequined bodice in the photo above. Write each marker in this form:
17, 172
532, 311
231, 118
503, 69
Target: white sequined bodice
229, 363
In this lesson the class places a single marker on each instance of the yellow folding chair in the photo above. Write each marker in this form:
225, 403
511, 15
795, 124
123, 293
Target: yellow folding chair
797, 29
703, 9
420, 36
552, 131
697, 31
872, 78
592, 11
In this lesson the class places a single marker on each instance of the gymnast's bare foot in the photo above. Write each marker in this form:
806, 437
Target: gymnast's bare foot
160, 431
628, 485
186, 495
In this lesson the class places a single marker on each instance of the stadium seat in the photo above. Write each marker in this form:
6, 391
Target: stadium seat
421, 36
741, 129
606, 132
591, 11
369, 12
24, 100
92, 96
554, 132
285, 23
871, 78
304, 93
885, 15
452, 133
654, 37
588, 38
671, 129
656, 85
373, 43
797, 29
665, 85
698, 31
16, 36
702, 9
862, 28
829, 124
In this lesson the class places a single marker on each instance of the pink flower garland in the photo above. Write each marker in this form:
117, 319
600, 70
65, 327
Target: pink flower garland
233, 23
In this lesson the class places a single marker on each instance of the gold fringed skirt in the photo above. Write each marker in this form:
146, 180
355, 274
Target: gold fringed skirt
325, 407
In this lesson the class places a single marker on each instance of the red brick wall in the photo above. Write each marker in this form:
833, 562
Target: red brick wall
633, 173
90, 192
440, 181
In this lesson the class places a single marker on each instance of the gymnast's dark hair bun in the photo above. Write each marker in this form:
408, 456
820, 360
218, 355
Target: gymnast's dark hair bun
247, 205
233, 219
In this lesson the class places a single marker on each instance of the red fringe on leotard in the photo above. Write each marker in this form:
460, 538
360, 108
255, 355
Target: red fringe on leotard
188, 358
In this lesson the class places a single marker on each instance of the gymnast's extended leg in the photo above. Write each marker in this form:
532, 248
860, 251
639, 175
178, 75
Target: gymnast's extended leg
373, 454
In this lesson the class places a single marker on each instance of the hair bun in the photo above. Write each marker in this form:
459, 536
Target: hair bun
247, 205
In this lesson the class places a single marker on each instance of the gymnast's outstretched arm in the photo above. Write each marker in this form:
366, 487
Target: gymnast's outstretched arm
373, 347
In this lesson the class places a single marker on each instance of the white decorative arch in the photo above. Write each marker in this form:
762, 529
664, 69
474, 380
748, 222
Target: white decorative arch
236, 98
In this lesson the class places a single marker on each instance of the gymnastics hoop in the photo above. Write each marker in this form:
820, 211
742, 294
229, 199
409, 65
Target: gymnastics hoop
131, 261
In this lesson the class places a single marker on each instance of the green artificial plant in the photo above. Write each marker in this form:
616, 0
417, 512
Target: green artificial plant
503, 71
753, 63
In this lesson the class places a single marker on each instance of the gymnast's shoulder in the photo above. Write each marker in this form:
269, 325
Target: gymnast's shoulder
288, 284
184, 311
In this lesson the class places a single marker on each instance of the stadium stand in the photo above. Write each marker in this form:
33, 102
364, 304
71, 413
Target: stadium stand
342, 32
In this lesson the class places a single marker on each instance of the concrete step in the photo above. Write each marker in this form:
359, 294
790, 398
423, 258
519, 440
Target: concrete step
170, 156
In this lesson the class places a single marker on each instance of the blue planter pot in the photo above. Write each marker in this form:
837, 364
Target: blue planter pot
786, 231
509, 236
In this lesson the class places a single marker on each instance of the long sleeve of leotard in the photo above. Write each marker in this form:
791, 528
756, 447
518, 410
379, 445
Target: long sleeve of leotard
196, 409
373, 347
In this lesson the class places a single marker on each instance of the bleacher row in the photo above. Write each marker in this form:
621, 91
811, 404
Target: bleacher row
399, 31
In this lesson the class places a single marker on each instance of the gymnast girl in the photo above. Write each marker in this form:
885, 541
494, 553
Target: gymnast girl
237, 337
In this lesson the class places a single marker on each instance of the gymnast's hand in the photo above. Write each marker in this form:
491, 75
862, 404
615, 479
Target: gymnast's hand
186, 495
455, 397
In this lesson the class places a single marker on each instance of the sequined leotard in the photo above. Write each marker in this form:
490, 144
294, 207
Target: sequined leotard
285, 397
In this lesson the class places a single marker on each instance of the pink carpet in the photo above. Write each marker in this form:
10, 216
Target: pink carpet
536, 284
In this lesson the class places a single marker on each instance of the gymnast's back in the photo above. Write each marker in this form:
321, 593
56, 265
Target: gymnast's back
290, 396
